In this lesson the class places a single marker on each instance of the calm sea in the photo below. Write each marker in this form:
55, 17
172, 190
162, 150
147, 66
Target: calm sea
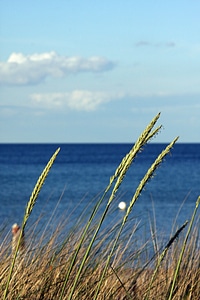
82, 171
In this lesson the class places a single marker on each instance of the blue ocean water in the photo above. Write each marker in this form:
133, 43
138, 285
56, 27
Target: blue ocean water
82, 171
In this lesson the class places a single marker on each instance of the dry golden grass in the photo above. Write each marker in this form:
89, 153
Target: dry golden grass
42, 271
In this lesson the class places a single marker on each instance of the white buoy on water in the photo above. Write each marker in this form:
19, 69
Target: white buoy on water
122, 205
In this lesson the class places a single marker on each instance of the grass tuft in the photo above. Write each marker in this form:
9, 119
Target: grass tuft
89, 263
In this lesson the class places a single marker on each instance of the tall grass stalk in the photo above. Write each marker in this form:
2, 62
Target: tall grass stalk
138, 191
162, 256
120, 172
28, 210
183, 249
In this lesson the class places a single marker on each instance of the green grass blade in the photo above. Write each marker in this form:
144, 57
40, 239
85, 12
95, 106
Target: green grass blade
183, 249
28, 210
38, 187
162, 256
139, 189
119, 175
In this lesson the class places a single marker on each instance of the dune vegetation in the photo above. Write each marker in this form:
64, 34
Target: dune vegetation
93, 262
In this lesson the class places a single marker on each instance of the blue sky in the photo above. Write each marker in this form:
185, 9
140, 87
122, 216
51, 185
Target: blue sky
99, 71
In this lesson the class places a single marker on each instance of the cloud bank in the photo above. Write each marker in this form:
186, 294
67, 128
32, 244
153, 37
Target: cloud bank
22, 69
79, 100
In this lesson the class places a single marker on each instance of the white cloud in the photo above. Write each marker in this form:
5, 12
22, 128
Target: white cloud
86, 100
22, 69
80, 100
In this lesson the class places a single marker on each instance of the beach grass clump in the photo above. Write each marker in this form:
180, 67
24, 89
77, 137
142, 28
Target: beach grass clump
94, 262
128, 277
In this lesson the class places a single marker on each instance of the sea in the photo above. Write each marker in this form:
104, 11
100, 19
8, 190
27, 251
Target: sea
80, 175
